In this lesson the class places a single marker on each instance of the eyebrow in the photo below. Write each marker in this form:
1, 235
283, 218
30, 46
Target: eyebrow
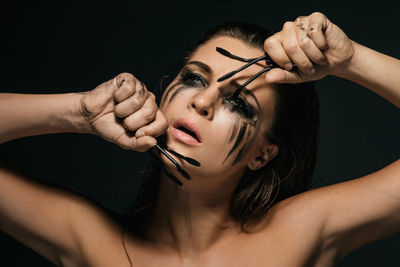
201, 65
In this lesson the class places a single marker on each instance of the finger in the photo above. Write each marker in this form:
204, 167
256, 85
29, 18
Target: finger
138, 144
273, 47
318, 22
144, 143
310, 49
142, 116
155, 128
126, 84
278, 75
132, 104
293, 49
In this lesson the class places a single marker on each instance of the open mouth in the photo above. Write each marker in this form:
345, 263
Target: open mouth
186, 132
189, 132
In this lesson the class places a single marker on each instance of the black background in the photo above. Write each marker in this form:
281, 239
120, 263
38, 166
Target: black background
61, 47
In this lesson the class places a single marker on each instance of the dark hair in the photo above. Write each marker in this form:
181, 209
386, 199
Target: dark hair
295, 129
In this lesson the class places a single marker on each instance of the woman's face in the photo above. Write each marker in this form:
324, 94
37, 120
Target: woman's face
223, 137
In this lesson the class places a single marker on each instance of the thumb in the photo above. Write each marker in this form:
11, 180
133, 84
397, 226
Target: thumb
139, 144
278, 75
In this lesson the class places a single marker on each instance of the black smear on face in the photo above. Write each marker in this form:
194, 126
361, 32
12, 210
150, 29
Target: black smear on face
244, 148
169, 91
178, 91
242, 131
235, 129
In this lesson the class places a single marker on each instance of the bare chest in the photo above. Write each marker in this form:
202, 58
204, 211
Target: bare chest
276, 250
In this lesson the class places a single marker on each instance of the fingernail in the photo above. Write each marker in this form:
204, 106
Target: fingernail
139, 134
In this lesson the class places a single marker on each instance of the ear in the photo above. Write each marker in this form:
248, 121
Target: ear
266, 154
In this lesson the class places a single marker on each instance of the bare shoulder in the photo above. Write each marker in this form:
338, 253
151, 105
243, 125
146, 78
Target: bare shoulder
98, 235
294, 226
332, 221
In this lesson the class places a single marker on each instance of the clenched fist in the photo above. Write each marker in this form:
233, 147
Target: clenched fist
123, 112
314, 44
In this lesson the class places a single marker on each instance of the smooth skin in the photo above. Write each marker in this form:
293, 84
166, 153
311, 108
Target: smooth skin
315, 228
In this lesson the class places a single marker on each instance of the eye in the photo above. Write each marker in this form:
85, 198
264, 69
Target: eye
240, 106
190, 78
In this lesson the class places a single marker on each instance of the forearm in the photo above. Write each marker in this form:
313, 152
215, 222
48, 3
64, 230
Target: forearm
26, 115
378, 72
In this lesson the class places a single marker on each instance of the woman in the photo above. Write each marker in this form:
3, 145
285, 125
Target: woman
224, 215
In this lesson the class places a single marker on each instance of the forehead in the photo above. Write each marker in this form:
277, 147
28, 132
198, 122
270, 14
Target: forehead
207, 51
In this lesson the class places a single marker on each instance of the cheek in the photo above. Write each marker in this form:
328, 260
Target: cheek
239, 140
231, 137
179, 101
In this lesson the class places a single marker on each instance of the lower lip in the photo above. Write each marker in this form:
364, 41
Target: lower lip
184, 137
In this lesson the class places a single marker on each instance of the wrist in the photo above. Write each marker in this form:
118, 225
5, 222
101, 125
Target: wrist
353, 67
67, 115
79, 120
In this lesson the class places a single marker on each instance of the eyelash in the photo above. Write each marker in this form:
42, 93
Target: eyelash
192, 79
238, 105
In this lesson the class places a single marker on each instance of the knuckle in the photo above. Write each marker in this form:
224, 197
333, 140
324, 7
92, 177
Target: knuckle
271, 41
128, 88
149, 115
123, 77
291, 47
164, 126
134, 102
299, 19
288, 24
313, 29
141, 88
309, 68
304, 41
127, 76
118, 113
151, 95
128, 124
317, 14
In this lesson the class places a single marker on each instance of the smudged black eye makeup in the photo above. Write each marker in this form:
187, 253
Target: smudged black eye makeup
192, 79
240, 106
237, 105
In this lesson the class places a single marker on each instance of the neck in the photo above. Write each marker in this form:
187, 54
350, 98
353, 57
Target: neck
193, 217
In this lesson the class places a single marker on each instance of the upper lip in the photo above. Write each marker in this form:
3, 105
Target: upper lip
189, 125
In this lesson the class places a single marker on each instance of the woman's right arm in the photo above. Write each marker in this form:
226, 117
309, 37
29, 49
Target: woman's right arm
114, 110
56, 223
26, 115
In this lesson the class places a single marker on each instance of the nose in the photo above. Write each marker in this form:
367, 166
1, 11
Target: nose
204, 102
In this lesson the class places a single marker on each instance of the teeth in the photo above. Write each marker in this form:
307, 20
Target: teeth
189, 132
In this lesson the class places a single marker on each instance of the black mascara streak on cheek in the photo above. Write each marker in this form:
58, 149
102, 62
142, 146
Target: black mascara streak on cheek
169, 91
178, 91
244, 148
242, 151
234, 130
238, 139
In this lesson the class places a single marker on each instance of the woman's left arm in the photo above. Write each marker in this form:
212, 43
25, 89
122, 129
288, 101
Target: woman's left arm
376, 71
319, 48
357, 212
